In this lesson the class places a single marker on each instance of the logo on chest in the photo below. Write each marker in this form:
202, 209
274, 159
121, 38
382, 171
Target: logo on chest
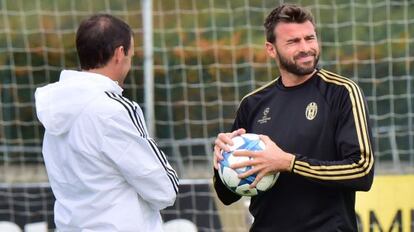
265, 118
311, 111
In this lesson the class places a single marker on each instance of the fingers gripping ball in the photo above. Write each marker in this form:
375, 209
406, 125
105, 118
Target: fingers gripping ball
230, 177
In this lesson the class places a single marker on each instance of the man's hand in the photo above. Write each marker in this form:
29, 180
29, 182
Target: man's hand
272, 159
222, 142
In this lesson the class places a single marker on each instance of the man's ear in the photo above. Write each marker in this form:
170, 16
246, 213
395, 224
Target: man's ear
119, 54
270, 49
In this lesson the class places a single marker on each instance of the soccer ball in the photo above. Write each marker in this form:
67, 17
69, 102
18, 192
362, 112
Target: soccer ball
230, 177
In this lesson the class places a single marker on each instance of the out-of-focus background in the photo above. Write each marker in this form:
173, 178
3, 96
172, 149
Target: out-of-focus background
201, 58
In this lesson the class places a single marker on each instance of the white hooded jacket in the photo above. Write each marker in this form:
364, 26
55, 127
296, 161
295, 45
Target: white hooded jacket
106, 173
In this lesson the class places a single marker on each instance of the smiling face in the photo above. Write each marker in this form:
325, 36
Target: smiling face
296, 47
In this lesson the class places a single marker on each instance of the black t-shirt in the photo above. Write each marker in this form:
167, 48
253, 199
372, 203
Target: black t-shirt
324, 123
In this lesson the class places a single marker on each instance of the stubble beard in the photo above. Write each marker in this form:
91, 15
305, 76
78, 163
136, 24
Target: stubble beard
296, 69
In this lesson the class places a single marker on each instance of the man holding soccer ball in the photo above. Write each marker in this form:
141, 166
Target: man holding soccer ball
315, 127
105, 171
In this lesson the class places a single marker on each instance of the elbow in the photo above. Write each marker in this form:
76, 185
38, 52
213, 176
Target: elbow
169, 198
366, 183
226, 201
167, 201
367, 186
223, 193
168, 193
161, 197
226, 196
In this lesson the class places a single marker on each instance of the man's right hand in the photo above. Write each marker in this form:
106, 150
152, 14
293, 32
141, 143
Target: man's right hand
222, 142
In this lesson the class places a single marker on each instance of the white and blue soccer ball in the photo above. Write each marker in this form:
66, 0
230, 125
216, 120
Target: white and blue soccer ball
230, 177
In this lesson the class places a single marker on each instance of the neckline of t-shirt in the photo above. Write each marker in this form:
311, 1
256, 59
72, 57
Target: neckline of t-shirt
280, 85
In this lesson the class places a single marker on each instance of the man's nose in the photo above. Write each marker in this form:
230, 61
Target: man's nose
304, 46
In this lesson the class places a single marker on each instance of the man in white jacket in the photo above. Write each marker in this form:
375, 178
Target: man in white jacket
105, 171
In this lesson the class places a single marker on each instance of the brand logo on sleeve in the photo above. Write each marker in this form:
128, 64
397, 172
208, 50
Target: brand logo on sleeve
311, 110
264, 118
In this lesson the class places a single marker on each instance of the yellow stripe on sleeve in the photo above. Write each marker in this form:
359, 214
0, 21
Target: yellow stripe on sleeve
347, 171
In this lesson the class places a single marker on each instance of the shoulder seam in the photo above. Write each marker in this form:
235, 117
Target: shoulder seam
258, 89
323, 71
129, 107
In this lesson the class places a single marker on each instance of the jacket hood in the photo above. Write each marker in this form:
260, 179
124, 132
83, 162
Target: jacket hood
58, 104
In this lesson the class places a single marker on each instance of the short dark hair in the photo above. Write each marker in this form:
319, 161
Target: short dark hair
287, 13
98, 37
